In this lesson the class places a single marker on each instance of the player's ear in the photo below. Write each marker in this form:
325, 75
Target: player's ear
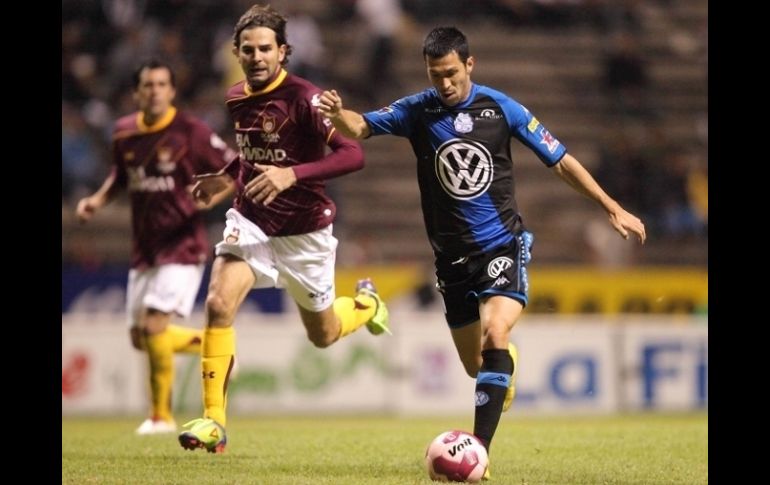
281, 53
235, 51
469, 64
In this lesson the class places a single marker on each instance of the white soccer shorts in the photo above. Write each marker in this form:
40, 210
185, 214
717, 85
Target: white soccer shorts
169, 288
302, 264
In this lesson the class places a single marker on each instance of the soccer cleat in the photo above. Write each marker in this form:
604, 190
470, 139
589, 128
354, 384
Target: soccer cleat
156, 426
204, 433
378, 324
511, 393
486, 476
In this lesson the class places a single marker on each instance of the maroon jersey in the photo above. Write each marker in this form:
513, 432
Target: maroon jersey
280, 125
156, 164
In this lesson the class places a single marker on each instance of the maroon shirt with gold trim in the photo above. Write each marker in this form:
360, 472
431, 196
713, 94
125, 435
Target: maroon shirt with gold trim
281, 125
156, 164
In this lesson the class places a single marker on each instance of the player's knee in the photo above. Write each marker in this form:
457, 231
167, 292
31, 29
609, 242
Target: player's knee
321, 338
217, 309
137, 338
496, 335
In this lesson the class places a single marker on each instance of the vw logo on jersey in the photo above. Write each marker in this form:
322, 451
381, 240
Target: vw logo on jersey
498, 265
464, 168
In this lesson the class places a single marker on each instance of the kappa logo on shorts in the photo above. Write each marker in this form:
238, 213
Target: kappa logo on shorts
501, 281
498, 265
321, 296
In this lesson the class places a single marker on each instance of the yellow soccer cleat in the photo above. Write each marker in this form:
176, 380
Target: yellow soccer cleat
511, 393
204, 433
378, 324
486, 475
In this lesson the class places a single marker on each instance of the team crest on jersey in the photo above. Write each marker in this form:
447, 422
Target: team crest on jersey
269, 125
548, 140
464, 168
463, 123
498, 265
165, 165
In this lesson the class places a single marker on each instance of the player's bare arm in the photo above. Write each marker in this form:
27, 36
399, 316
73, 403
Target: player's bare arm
88, 206
573, 173
266, 186
347, 122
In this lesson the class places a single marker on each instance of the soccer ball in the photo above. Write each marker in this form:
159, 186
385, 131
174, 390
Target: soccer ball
456, 456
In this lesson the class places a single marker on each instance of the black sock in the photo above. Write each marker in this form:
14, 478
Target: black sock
491, 386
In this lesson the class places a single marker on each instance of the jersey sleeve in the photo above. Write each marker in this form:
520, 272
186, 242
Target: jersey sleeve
210, 151
346, 155
528, 130
118, 170
397, 119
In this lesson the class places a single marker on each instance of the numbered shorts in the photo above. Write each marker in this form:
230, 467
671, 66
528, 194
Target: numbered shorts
169, 288
464, 281
302, 264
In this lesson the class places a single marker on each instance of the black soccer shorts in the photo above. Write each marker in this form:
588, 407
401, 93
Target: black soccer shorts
465, 280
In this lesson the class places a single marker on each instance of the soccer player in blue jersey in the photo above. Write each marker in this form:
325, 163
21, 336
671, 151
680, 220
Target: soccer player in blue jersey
461, 132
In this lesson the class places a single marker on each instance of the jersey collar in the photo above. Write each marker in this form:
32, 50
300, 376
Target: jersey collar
163, 122
270, 87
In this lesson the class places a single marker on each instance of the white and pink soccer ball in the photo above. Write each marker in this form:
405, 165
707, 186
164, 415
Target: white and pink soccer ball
456, 456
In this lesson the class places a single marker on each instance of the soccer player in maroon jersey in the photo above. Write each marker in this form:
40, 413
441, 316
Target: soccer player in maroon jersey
279, 231
156, 152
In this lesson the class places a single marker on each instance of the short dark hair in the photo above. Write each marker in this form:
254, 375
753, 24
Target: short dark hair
443, 40
263, 16
153, 64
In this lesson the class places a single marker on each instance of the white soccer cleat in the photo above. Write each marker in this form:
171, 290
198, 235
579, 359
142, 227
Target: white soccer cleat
159, 426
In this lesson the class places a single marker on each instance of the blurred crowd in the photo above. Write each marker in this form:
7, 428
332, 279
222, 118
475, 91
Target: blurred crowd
662, 180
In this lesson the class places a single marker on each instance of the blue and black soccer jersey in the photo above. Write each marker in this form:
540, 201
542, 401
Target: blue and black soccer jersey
464, 165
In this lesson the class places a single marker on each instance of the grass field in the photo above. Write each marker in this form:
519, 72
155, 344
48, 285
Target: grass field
633, 449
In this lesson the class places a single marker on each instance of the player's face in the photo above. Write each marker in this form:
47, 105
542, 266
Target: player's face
259, 55
154, 93
451, 77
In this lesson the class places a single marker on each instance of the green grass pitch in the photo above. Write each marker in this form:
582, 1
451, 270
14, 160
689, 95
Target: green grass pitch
630, 449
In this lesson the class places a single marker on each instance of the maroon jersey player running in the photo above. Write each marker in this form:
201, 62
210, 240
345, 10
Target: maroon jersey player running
279, 231
156, 152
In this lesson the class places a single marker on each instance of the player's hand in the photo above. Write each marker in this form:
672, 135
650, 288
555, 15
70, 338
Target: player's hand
330, 104
625, 222
85, 210
265, 187
206, 186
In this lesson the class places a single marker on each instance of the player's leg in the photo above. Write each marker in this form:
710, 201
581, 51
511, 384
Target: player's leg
160, 357
231, 280
168, 290
306, 263
185, 340
495, 378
